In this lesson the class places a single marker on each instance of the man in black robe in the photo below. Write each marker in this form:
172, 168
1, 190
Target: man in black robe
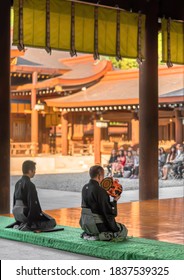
26, 206
99, 210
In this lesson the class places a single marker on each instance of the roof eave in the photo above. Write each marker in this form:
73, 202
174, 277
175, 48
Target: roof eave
58, 102
43, 70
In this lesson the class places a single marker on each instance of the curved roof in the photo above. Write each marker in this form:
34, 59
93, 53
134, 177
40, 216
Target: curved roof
122, 87
84, 70
39, 60
36, 56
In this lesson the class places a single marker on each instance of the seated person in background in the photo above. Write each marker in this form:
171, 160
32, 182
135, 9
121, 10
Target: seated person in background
161, 157
118, 166
178, 161
129, 163
180, 153
135, 169
169, 161
161, 161
113, 158
130, 149
26, 206
178, 149
180, 171
98, 211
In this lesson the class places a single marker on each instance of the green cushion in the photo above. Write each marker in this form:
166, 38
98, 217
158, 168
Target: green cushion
69, 240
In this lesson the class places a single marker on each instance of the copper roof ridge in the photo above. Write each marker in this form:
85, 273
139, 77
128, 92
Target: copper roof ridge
86, 79
96, 76
117, 75
134, 73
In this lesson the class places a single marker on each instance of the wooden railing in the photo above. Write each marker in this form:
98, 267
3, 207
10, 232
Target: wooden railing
31, 149
81, 149
107, 146
23, 148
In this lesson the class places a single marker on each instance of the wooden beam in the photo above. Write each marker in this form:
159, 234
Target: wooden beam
148, 113
64, 134
34, 115
97, 144
178, 127
5, 106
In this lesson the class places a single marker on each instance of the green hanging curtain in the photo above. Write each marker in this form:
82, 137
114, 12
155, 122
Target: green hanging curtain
74, 27
172, 42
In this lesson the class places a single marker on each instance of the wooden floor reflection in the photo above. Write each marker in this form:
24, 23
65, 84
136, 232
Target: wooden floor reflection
154, 219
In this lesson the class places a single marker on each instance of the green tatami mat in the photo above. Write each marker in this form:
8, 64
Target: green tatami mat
69, 240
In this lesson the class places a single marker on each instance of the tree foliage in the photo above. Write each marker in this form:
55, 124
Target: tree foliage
129, 63
125, 63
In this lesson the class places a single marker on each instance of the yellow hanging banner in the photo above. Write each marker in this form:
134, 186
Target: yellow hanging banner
66, 25
172, 41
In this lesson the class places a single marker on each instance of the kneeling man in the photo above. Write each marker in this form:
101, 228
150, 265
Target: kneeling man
26, 206
98, 211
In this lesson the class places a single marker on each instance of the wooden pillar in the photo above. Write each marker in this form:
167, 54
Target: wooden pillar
34, 116
64, 140
5, 106
172, 136
148, 113
129, 136
135, 129
97, 144
178, 127
167, 132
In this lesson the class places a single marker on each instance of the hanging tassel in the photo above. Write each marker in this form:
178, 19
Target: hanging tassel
118, 54
96, 54
139, 47
169, 63
47, 43
72, 42
20, 45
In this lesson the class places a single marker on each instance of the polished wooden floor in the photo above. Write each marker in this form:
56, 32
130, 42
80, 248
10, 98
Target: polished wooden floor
154, 219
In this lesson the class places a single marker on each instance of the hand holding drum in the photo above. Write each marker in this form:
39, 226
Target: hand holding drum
112, 186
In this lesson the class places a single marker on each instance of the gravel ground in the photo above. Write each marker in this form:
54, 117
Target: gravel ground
75, 181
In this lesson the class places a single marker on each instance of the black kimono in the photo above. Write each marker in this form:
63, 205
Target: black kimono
95, 198
26, 206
